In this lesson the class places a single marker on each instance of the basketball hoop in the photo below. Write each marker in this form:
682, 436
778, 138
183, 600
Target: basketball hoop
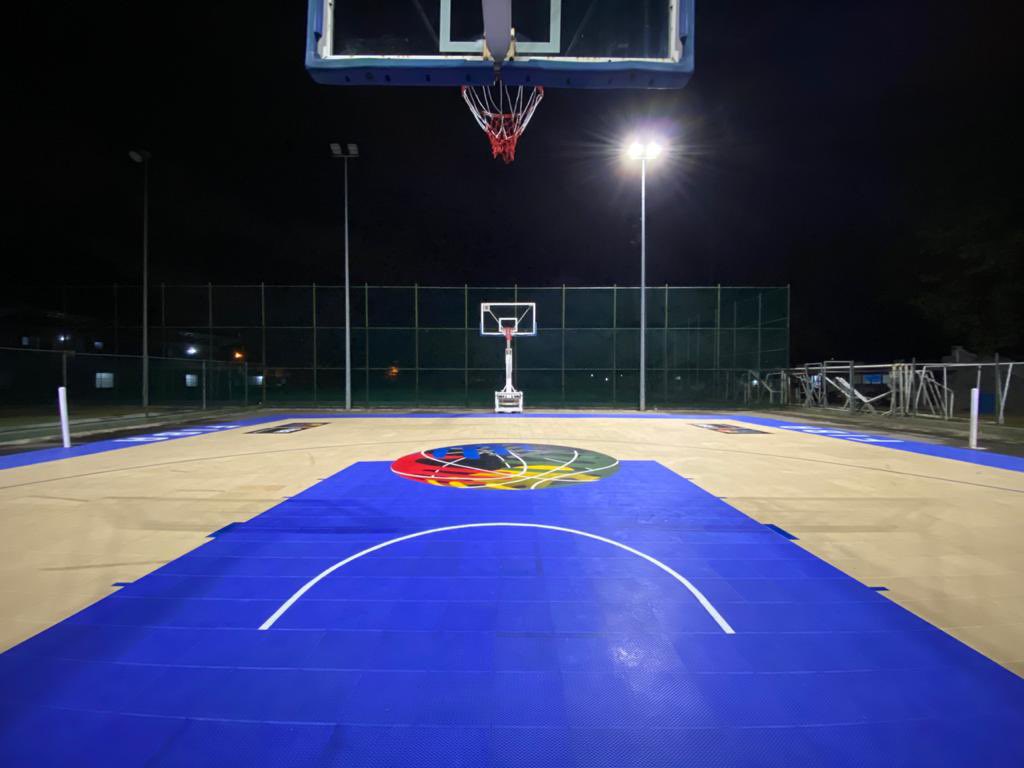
502, 113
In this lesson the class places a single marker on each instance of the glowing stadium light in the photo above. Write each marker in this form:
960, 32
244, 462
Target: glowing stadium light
191, 351
645, 150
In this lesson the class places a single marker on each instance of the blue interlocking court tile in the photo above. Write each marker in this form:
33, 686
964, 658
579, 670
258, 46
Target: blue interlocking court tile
499, 646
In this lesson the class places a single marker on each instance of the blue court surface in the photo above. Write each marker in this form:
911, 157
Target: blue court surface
635, 621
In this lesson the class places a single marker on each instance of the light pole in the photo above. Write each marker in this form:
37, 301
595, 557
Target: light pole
346, 153
142, 157
644, 151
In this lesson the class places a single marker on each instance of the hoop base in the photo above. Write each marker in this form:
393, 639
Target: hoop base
508, 401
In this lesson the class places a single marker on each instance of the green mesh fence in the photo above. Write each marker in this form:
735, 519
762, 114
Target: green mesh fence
104, 385
420, 346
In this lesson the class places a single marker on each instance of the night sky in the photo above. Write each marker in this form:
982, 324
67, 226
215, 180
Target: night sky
867, 152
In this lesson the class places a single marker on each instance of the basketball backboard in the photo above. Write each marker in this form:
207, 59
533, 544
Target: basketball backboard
558, 43
495, 317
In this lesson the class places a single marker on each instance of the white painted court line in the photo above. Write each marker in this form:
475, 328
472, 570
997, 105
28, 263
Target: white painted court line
560, 478
705, 603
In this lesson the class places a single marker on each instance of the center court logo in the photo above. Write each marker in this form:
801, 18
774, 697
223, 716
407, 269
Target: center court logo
506, 466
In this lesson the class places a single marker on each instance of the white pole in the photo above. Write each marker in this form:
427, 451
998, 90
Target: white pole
508, 365
643, 284
975, 397
62, 405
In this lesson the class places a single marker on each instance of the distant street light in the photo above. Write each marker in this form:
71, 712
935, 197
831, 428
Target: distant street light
142, 157
644, 151
346, 153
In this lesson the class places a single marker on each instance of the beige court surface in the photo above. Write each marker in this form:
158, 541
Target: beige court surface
946, 538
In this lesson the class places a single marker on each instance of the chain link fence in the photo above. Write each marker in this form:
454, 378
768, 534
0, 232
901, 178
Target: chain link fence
412, 346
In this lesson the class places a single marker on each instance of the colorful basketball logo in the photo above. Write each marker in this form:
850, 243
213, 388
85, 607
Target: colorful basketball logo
506, 466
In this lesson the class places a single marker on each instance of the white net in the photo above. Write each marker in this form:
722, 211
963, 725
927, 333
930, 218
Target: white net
502, 113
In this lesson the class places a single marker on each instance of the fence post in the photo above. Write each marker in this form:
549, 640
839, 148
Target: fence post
204, 384
263, 343
760, 324
163, 317
316, 394
245, 383
465, 341
735, 320
664, 353
563, 345
615, 342
718, 327
416, 339
209, 321
515, 349
366, 338
117, 345
718, 345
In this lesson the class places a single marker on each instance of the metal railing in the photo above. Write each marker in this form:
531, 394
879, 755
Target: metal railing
936, 390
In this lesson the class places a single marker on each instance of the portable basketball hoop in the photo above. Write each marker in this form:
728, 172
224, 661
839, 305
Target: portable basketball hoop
502, 113
508, 320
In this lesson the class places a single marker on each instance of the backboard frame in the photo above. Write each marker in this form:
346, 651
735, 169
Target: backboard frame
536, 67
516, 311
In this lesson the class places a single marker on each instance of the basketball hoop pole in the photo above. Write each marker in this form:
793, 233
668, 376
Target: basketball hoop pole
509, 389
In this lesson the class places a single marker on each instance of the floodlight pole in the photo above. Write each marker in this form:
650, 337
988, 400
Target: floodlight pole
643, 283
349, 152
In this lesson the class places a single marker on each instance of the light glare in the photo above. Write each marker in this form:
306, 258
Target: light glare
649, 149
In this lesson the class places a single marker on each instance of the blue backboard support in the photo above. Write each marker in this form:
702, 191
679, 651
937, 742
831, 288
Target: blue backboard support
565, 44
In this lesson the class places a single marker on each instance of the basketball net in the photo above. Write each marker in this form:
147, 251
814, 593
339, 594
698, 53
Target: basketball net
502, 113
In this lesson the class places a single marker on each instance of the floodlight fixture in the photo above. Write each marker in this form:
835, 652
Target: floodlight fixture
344, 151
651, 149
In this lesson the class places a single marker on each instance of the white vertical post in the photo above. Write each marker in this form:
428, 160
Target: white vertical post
62, 405
975, 397
508, 364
